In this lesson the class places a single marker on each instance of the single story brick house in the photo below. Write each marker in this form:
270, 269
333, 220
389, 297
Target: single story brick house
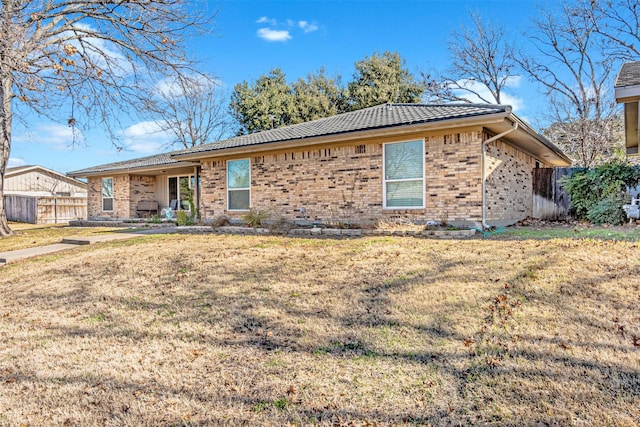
464, 164
627, 92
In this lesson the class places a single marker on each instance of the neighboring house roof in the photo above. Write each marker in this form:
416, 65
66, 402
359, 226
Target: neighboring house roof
627, 85
343, 126
20, 170
629, 75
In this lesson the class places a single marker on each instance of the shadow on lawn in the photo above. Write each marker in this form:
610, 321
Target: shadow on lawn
236, 320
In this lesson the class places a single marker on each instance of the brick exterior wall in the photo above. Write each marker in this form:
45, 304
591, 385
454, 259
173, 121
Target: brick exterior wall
454, 186
141, 188
345, 183
127, 191
509, 174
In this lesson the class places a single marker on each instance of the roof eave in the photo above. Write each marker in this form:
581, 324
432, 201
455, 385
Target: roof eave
401, 129
136, 170
627, 93
560, 159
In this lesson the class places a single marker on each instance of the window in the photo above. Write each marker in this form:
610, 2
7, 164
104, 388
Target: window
404, 175
238, 185
107, 194
181, 192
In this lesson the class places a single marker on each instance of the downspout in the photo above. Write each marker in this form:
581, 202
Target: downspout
484, 183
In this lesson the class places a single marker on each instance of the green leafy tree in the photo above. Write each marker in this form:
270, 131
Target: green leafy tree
271, 102
268, 103
382, 78
318, 96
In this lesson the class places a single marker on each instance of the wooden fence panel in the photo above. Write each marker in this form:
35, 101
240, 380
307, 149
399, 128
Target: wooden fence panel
53, 210
550, 200
45, 210
21, 208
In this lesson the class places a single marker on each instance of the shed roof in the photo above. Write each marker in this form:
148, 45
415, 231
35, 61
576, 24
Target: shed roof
19, 170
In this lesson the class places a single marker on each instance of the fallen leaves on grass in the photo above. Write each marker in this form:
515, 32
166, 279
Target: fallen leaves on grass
272, 330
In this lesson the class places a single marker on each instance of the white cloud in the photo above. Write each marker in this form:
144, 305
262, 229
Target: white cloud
60, 137
170, 87
514, 81
265, 20
103, 53
274, 35
146, 138
508, 99
307, 27
14, 162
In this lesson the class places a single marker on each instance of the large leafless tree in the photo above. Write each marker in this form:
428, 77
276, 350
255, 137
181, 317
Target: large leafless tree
192, 109
89, 60
567, 61
482, 64
617, 22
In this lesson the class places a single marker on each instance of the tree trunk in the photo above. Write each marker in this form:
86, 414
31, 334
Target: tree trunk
5, 143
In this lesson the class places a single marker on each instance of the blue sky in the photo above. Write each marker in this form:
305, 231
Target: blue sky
252, 37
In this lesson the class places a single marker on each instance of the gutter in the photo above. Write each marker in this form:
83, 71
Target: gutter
131, 170
543, 139
484, 183
343, 137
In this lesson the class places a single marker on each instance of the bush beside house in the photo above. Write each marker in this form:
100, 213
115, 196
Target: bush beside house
597, 194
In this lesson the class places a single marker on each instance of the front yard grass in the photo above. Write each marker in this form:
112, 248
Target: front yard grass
629, 232
233, 330
32, 235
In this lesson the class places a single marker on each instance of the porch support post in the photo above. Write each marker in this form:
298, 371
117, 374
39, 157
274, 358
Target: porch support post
196, 183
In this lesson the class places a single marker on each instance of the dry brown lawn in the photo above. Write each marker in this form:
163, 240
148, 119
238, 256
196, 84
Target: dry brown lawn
232, 330
32, 235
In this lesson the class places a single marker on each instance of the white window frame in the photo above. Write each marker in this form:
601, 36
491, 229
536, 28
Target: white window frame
385, 180
177, 177
238, 189
102, 198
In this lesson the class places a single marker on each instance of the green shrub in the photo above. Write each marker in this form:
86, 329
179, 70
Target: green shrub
154, 219
607, 211
597, 194
183, 218
255, 217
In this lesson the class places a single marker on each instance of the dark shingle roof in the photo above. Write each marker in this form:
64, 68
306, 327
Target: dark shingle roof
139, 163
629, 75
381, 116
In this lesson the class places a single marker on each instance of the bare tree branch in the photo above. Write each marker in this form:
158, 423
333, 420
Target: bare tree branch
193, 109
576, 78
95, 58
482, 65
618, 22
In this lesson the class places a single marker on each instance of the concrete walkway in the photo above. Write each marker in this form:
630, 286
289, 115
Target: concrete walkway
68, 243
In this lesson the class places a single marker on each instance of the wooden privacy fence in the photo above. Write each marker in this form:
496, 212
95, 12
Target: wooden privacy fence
550, 200
45, 210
